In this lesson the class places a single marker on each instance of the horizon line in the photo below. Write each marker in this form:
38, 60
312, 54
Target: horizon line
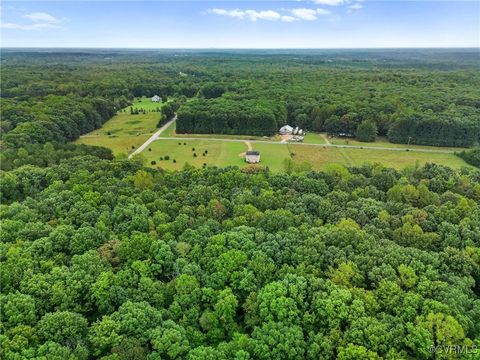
240, 48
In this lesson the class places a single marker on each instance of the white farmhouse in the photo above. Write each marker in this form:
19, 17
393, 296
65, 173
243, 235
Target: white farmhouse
286, 130
156, 98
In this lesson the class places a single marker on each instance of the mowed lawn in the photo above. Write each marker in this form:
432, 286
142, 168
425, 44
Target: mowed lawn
320, 156
219, 153
125, 130
145, 103
126, 124
383, 142
313, 138
118, 144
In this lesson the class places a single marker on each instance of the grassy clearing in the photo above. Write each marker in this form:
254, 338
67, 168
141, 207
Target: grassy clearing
383, 142
170, 131
219, 154
119, 145
145, 103
125, 130
320, 156
314, 138
125, 124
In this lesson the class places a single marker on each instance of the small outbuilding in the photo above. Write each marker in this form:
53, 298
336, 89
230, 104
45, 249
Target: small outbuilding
252, 157
286, 130
156, 98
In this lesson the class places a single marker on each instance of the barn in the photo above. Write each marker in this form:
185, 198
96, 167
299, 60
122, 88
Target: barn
252, 157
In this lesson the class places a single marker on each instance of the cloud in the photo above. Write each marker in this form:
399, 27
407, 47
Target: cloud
305, 14
42, 18
272, 15
330, 2
287, 18
309, 14
39, 21
233, 13
354, 7
323, 12
263, 15
252, 15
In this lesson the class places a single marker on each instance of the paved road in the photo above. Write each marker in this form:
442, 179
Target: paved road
305, 144
152, 138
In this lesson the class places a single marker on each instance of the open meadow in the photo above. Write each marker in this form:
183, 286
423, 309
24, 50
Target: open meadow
383, 142
211, 153
319, 156
125, 131
231, 153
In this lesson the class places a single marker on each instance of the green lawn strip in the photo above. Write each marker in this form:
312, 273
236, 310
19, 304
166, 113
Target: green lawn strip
383, 142
320, 156
120, 144
313, 138
219, 153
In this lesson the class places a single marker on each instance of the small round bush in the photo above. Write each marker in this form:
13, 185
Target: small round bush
206, 151
179, 143
161, 158
174, 160
149, 149
133, 147
184, 143
193, 149
194, 154
203, 154
166, 157
153, 162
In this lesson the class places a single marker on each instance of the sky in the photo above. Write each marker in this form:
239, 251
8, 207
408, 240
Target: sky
240, 24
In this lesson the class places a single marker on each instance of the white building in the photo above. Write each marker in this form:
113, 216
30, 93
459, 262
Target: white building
252, 157
286, 130
156, 98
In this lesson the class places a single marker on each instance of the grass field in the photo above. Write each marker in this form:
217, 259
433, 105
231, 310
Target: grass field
219, 154
314, 138
118, 144
145, 103
383, 142
320, 156
125, 130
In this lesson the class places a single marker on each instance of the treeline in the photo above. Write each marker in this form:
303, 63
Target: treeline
229, 116
453, 125
168, 112
471, 156
108, 260
53, 118
435, 130
48, 154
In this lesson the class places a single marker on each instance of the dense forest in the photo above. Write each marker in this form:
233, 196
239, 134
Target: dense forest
107, 260
103, 258
425, 97
226, 116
